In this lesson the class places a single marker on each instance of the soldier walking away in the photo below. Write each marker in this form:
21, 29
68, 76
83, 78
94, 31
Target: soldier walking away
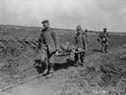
80, 45
103, 40
47, 41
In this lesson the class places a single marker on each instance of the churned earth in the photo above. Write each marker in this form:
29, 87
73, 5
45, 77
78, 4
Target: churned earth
102, 74
80, 80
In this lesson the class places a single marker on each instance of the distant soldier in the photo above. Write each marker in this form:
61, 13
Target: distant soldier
47, 41
80, 44
103, 40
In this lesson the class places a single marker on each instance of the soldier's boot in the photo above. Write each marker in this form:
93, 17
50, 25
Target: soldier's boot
49, 72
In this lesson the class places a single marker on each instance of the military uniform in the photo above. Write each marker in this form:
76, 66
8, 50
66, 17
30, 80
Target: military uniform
80, 43
81, 40
103, 39
46, 40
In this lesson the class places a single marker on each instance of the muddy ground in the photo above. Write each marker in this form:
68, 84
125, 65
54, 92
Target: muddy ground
102, 74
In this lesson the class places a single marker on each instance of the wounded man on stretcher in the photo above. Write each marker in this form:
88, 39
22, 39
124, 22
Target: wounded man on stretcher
76, 54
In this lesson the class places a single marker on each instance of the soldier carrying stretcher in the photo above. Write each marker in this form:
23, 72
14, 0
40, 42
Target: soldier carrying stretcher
47, 42
80, 39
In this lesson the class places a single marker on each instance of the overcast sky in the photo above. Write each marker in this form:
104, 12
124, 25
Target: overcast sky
91, 14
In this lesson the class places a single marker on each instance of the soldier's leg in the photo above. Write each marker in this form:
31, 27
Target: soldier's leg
49, 64
44, 58
102, 47
46, 65
50, 68
85, 46
76, 58
82, 57
47, 59
106, 47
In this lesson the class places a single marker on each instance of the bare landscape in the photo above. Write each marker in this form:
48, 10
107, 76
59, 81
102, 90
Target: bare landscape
102, 74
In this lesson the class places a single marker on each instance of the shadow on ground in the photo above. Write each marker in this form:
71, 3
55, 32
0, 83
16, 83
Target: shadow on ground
64, 65
41, 66
97, 50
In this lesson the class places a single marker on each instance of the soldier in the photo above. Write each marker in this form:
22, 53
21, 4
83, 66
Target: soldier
80, 44
45, 41
103, 40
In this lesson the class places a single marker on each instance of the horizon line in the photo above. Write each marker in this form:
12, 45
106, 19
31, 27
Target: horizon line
58, 28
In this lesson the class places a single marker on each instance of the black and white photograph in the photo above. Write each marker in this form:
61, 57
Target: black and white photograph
62, 47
